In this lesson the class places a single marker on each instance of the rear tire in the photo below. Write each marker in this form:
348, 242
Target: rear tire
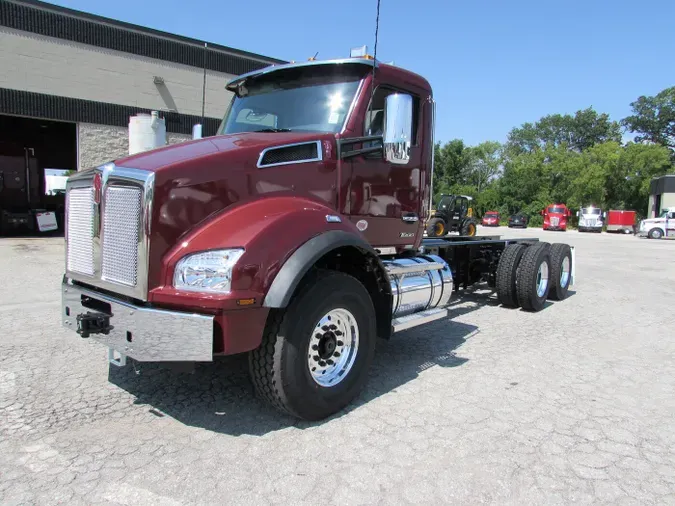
281, 366
533, 277
561, 271
469, 227
506, 274
436, 227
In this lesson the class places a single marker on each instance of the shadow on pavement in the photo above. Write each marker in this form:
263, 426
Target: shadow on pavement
218, 396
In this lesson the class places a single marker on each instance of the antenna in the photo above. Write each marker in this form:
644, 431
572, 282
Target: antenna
372, 84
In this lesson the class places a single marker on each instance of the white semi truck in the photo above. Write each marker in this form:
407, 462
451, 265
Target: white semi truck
591, 219
662, 226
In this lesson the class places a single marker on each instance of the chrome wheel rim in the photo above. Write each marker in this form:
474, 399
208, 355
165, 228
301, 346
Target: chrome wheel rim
542, 279
565, 272
333, 347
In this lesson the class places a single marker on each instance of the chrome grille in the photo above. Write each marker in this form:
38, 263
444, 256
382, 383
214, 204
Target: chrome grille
108, 238
554, 222
80, 230
121, 223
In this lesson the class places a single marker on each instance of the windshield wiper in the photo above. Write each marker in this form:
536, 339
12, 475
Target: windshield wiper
274, 130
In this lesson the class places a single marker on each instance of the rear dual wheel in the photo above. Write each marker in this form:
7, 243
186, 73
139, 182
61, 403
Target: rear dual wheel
528, 275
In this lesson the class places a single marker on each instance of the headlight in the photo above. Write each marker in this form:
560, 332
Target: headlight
210, 271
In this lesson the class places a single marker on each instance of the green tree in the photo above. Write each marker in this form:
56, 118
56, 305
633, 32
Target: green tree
450, 165
585, 129
628, 187
483, 164
653, 119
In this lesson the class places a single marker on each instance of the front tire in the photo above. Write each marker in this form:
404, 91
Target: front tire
655, 233
315, 355
436, 228
533, 277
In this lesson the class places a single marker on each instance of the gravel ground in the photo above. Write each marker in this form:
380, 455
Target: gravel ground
572, 404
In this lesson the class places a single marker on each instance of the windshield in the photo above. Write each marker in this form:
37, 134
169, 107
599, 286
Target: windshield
446, 203
492, 215
553, 209
591, 210
312, 99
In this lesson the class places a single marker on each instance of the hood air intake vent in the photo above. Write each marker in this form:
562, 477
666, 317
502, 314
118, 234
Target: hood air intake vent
291, 153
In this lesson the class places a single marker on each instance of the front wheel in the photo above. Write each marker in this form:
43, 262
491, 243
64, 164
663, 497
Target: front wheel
314, 357
655, 233
436, 227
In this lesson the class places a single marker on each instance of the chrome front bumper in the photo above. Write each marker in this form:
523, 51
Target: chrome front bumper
144, 334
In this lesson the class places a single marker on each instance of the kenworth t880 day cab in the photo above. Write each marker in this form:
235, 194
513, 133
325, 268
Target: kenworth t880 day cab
295, 234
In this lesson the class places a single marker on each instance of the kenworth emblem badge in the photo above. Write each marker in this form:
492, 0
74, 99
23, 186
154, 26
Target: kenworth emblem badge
97, 188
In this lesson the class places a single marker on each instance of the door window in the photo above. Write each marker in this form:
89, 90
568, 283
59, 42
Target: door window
374, 124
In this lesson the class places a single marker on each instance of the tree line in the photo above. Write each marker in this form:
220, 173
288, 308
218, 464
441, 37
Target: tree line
575, 159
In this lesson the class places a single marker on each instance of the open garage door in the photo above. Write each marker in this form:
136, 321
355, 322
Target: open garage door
35, 157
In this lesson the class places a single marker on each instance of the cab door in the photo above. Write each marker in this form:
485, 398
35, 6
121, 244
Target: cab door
382, 195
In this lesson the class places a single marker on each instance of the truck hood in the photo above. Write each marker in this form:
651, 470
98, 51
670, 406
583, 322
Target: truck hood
196, 180
247, 147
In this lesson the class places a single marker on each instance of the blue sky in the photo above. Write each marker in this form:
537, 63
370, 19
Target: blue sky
493, 64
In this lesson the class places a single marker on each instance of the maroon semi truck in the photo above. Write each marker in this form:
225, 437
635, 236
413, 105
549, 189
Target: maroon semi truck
295, 234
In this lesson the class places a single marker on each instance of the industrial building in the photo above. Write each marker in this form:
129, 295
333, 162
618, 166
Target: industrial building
88, 74
69, 83
661, 194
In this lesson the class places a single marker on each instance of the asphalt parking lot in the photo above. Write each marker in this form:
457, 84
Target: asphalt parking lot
572, 404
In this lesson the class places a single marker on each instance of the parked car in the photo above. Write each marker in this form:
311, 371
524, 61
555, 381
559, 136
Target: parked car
491, 219
555, 217
518, 220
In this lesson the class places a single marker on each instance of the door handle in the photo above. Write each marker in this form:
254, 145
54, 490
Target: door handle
410, 218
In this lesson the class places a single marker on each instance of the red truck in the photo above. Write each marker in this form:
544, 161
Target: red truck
491, 219
556, 217
295, 235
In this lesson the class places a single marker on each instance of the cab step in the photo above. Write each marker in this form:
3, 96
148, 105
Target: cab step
415, 319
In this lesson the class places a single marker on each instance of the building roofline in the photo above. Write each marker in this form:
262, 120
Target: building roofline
131, 26
51, 20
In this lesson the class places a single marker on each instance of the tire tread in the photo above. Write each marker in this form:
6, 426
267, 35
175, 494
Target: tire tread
527, 269
506, 274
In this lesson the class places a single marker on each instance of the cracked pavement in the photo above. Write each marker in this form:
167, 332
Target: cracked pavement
572, 404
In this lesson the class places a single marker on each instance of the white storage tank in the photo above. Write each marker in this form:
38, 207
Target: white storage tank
146, 131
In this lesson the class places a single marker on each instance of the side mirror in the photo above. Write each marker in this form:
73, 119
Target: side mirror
541, 212
577, 213
398, 128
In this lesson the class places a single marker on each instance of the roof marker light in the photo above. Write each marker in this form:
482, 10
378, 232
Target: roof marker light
358, 52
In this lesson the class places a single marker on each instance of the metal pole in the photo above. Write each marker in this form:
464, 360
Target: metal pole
204, 85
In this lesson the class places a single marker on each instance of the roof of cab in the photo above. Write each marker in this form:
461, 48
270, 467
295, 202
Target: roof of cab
392, 70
